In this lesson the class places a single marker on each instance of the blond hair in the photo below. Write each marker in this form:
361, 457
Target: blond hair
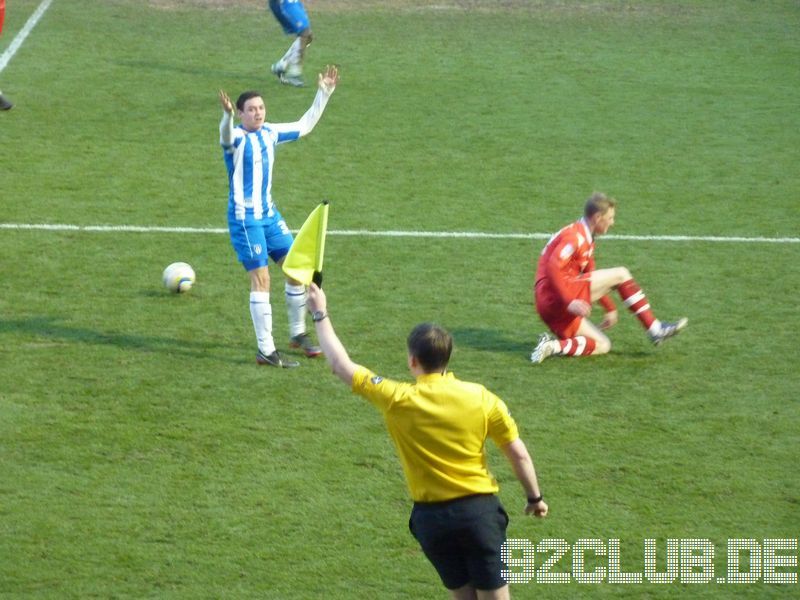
598, 202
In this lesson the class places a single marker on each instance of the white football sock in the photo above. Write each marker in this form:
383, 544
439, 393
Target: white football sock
655, 327
261, 312
296, 308
291, 61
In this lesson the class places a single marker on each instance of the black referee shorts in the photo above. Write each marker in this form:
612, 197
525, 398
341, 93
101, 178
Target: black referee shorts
462, 539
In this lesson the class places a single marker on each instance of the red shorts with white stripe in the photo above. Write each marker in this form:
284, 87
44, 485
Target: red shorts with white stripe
553, 311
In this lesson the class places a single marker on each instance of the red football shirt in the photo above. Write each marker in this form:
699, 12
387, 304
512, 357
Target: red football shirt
566, 261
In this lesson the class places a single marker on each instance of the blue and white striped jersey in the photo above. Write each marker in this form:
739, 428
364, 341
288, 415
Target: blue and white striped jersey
250, 155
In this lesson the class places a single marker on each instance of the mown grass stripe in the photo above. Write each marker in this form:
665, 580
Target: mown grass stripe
390, 233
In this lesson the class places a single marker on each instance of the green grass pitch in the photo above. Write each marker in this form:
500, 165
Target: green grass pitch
143, 454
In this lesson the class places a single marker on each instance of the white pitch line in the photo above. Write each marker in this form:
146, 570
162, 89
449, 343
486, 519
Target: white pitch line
23, 33
417, 234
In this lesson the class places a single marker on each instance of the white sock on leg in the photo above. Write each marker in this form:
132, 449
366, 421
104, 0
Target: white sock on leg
291, 61
655, 327
261, 313
296, 308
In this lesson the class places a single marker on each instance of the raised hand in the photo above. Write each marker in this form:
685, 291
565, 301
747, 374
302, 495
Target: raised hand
329, 78
225, 101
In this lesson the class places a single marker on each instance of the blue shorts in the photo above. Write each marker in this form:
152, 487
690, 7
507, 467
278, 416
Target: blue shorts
255, 241
291, 14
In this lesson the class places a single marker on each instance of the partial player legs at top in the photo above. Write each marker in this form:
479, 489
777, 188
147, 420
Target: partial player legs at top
291, 14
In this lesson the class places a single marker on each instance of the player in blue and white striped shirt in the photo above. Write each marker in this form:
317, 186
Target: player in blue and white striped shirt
258, 231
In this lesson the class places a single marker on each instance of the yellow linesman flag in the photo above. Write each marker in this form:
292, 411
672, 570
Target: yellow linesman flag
304, 260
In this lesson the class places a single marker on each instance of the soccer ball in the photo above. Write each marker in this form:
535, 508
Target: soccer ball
178, 277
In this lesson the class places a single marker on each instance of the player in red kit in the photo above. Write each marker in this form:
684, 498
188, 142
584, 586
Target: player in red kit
5, 103
567, 284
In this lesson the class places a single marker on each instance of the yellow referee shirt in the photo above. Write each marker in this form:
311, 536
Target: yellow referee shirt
439, 425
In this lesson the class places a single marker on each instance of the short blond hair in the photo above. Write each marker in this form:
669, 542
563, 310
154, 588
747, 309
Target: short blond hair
598, 203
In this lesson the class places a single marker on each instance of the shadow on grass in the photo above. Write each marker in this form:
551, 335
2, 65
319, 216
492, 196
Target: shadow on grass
492, 340
49, 328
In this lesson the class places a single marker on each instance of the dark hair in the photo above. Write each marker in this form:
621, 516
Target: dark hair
598, 203
431, 345
245, 96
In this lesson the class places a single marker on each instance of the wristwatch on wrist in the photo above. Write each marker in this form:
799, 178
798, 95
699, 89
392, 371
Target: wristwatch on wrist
318, 315
534, 500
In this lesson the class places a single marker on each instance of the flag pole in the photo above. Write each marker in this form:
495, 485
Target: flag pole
321, 231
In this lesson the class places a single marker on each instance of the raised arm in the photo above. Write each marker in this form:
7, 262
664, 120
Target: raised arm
327, 84
334, 351
226, 124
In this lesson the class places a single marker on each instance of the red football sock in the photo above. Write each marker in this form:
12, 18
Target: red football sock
633, 297
577, 346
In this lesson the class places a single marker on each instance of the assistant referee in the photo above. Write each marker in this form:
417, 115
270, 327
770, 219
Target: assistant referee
439, 425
